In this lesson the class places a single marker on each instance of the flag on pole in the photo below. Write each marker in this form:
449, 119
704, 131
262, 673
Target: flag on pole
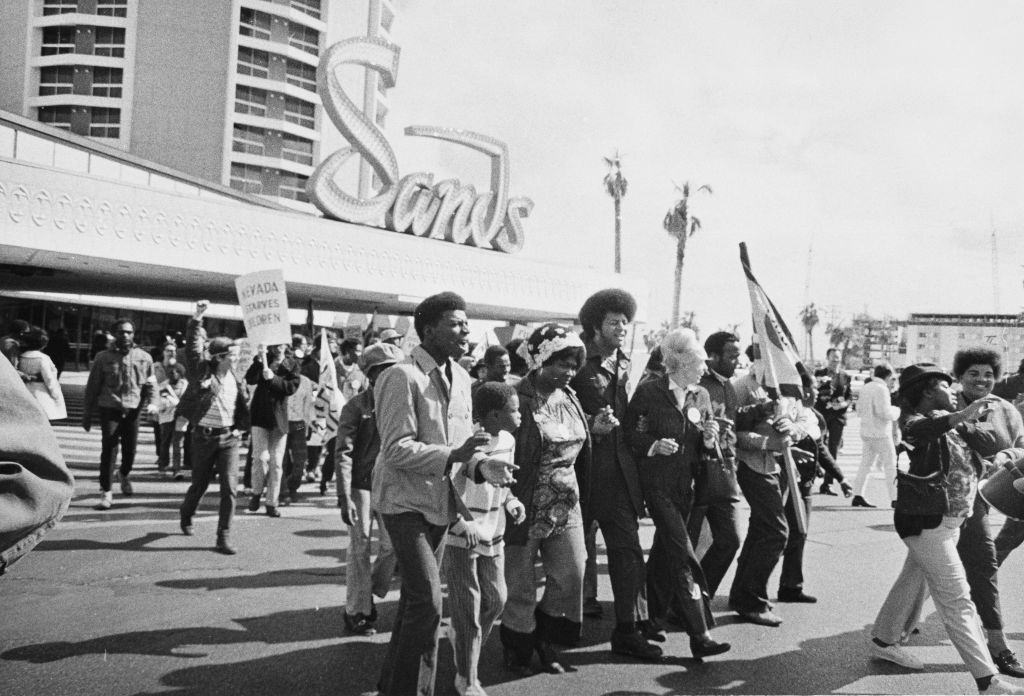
329, 400
781, 369
775, 346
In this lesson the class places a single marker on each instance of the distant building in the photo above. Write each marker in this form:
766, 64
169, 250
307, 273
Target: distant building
224, 90
882, 340
937, 337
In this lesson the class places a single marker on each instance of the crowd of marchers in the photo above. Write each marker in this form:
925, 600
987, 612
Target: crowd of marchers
474, 479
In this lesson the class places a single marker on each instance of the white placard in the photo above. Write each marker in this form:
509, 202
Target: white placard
264, 305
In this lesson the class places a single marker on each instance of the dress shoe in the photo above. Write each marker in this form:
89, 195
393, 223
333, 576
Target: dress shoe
254, 503
858, 501
795, 595
549, 659
126, 486
273, 511
1008, 664
705, 647
592, 608
224, 546
652, 630
761, 618
826, 489
186, 526
634, 645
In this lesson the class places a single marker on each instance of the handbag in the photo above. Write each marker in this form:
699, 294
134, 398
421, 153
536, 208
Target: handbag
921, 495
715, 481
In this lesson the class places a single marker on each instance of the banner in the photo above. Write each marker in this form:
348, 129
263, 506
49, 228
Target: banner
780, 370
329, 400
264, 305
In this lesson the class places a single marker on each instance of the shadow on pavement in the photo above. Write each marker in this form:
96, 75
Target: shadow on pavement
290, 577
138, 544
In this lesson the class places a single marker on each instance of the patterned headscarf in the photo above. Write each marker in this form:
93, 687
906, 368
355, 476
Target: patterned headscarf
545, 341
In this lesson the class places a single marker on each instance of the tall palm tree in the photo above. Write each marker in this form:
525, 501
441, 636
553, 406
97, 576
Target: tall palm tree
615, 184
681, 225
809, 318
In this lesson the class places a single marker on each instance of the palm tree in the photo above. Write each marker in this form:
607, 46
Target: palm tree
681, 225
809, 318
615, 184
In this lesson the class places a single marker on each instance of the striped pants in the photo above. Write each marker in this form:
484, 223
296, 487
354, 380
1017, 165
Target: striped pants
476, 594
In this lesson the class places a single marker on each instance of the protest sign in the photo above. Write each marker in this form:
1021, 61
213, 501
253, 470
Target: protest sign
264, 307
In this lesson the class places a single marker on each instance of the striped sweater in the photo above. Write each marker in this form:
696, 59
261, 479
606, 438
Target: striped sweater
486, 502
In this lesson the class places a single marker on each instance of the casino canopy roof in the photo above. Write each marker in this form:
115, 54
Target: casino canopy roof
78, 216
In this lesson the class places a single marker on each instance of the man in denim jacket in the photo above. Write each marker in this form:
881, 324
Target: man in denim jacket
120, 385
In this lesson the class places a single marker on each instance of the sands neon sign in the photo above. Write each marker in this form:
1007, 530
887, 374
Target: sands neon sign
411, 204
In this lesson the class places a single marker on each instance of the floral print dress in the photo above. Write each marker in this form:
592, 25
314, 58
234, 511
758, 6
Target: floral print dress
556, 497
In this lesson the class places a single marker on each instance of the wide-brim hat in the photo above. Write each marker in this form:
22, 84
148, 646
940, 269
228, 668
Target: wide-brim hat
919, 372
380, 354
219, 345
389, 335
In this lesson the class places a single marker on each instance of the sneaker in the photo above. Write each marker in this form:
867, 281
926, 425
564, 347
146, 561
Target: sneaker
359, 624
1002, 686
126, 485
106, 501
898, 655
1008, 664
463, 687
761, 618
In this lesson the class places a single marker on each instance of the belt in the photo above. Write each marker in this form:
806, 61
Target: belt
211, 432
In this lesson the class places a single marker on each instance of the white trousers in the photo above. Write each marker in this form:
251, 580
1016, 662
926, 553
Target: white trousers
880, 450
933, 565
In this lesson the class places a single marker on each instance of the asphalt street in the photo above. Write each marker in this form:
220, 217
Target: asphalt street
120, 602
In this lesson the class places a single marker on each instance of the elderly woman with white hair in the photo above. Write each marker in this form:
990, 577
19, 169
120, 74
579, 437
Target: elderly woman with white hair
670, 426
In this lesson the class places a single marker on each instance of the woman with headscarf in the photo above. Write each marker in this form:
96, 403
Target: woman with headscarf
670, 426
553, 458
41, 374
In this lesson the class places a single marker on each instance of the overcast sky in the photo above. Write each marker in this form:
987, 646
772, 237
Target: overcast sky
884, 135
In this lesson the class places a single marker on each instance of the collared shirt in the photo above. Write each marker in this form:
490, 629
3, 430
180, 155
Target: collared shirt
421, 419
118, 379
752, 443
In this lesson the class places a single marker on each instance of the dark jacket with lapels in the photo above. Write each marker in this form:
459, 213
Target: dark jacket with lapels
654, 414
598, 386
529, 445
202, 387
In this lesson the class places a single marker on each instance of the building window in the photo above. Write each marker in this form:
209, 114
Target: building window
297, 149
310, 7
105, 123
293, 186
301, 75
106, 82
255, 63
112, 8
246, 178
58, 79
249, 140
58, 40
299, 112
250, 101
56, 116
304, 38
53, 7
109, 42
254, 24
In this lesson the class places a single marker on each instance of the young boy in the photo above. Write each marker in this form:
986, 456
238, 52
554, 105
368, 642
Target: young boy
473, 561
